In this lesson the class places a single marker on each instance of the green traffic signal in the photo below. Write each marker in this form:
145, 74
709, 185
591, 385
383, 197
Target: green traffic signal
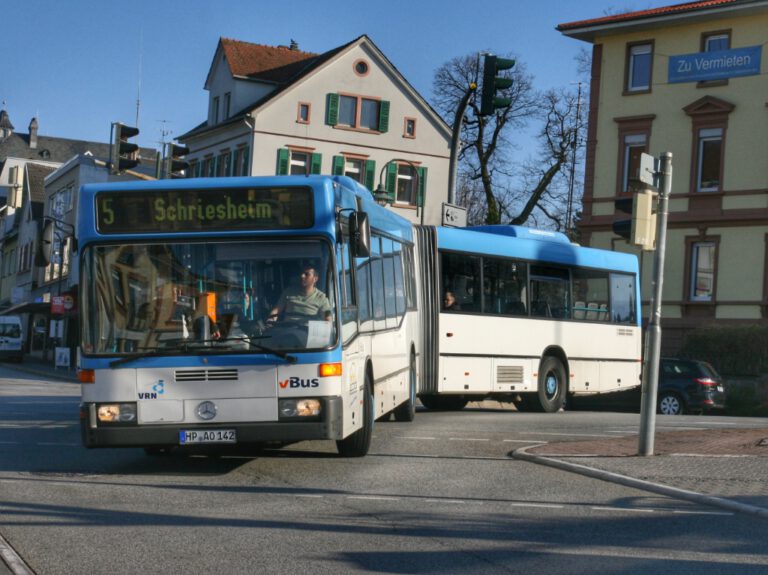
492, 82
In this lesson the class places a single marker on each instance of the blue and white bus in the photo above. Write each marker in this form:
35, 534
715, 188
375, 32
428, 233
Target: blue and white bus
530, 318
217, 312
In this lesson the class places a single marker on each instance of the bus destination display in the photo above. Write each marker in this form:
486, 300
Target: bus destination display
204, 210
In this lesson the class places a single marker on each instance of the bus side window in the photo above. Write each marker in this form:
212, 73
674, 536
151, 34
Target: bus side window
347, 293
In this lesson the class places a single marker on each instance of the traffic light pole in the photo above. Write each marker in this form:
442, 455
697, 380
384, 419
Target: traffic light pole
653, 334
456, 142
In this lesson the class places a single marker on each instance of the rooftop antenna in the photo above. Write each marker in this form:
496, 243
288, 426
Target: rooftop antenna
164, 132
138, 91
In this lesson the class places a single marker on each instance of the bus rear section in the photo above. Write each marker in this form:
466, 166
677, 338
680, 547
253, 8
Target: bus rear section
531, 318
216, 314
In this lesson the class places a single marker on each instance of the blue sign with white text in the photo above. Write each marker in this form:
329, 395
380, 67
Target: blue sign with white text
707, 66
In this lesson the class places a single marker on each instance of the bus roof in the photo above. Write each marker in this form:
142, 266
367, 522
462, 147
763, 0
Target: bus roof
532, 245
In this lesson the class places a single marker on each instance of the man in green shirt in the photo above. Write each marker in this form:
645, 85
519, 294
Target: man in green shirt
304, 302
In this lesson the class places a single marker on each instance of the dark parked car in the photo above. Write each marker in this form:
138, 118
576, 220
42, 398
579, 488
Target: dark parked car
685, 386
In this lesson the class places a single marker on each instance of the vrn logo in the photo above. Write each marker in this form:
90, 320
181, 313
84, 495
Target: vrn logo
157, 389
295, 382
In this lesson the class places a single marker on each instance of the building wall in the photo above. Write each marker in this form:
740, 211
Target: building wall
736, 217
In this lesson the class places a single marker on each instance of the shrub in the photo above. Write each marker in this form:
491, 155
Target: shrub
732, 350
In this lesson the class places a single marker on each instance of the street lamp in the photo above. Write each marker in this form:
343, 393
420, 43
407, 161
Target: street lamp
383, 197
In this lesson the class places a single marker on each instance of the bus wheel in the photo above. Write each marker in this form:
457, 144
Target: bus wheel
552, 385
407, 410
357, 444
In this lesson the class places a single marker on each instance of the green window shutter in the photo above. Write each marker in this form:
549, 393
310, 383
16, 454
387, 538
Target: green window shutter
332, 110
317, 164
338, 166
231, 167
283, 155
214, 166
384, 116
422, 186
370, 173
392, 181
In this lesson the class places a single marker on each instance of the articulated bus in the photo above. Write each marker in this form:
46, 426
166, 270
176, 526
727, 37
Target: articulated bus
524, 315
227, 311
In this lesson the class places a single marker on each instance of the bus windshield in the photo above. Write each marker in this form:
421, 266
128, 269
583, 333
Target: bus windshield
207, 297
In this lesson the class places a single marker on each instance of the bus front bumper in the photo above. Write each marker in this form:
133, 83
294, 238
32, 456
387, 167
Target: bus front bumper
168, 435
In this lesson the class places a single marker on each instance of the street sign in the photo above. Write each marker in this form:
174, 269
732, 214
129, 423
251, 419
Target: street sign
647, 169
454, 216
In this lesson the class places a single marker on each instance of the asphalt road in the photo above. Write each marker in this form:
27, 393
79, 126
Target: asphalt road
439, 495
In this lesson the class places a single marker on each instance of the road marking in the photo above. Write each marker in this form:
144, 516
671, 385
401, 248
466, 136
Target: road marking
417, 438
682, 512
624, 509
529, 441
373, 497
466, 439
538, 505
564, 434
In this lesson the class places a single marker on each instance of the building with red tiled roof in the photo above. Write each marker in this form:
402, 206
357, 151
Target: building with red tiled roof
690, 79
348, 111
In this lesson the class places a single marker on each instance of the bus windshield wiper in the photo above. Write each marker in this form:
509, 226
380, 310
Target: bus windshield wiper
156, 352
279, 353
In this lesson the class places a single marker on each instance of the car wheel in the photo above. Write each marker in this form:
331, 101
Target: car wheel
670, 404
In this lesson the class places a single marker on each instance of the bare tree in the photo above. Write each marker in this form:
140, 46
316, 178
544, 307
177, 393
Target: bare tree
513, 192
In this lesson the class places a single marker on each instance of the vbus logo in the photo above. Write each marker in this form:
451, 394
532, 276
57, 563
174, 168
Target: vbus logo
295, 382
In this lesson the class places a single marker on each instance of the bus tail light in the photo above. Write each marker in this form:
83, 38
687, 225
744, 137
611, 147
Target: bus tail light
86, 375
329, 369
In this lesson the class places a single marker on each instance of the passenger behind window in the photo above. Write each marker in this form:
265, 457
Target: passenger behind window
450, 303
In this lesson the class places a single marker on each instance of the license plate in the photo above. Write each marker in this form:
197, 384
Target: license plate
720, 388
207, 436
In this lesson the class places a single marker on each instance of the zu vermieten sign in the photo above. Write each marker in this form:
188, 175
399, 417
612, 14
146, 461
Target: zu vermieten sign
719, 65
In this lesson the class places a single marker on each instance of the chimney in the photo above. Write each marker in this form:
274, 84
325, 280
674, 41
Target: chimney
33, 134
294, 45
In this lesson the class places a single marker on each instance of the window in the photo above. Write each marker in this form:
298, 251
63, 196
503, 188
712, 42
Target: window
590, 295
361, 68
504, 287
358, 112
461, 275
227, 104
303, 113
298, 162
241, 162
549, 292
223, 165
634, 146
639, 67
709, 165
623, 299
406, 184
409, 129
702, 271
215, 110
716, 41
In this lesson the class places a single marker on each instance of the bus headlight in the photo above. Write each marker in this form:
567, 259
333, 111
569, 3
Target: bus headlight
116, 413
299, 408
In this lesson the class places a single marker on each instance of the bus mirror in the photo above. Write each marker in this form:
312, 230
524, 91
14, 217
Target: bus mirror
45, 244
360, 234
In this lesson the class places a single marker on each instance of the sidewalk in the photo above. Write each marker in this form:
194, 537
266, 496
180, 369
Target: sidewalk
35, 366
726, 468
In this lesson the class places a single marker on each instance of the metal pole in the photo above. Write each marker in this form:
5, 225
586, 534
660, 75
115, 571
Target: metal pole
456, 142
653, 337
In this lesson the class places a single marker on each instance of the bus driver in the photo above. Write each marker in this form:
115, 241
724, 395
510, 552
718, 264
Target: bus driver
304, 302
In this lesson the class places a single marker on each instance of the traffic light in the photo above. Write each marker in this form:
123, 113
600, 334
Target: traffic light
122, 153
492, 82
640, 229
175, 164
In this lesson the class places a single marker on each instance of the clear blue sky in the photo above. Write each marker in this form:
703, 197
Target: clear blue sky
76, 65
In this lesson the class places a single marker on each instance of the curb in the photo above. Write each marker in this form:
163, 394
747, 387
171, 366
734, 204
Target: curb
12, 560
666, 490
62, 376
